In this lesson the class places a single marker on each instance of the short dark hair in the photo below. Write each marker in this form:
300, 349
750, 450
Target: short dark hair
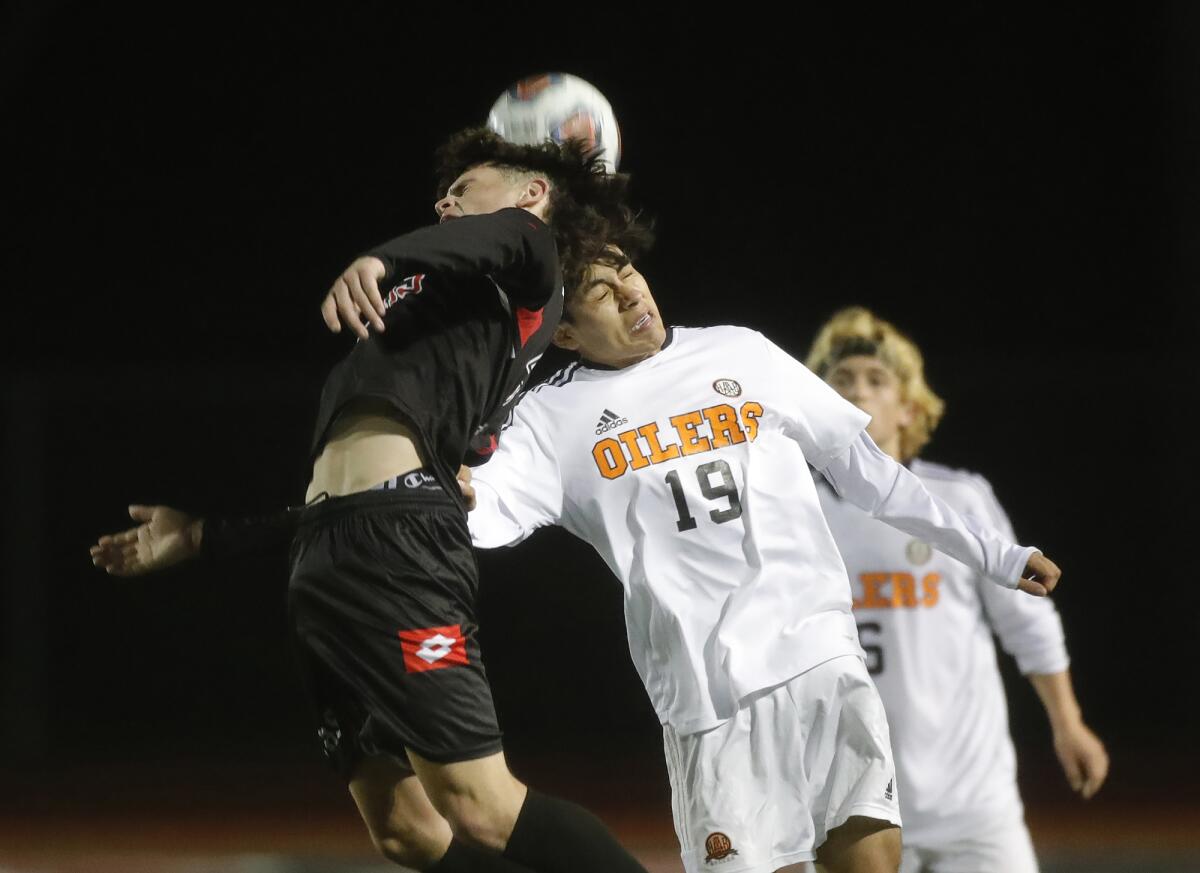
588, 206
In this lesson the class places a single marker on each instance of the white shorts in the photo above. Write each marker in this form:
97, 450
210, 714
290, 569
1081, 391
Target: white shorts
762, 790
1005, 850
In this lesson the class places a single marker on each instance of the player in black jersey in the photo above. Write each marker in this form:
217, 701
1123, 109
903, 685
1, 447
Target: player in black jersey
383, 581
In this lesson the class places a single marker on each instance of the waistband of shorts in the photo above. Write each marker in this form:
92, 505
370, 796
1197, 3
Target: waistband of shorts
324, 509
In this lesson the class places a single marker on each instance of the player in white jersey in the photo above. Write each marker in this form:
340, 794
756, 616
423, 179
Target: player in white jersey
682, 456
926, 622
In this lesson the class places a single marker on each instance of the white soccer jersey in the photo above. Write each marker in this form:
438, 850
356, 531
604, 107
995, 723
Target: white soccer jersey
688, 474
926, 623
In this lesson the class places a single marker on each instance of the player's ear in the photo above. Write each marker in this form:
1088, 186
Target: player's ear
564, 337
535, 195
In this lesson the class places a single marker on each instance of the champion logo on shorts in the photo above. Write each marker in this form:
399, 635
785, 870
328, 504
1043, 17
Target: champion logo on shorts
433, 648
719, 847
420, 479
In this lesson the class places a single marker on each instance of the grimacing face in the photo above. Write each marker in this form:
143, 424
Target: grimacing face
868, 383
613, 319
484, 188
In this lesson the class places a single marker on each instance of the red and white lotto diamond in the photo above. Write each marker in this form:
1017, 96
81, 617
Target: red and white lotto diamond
433, 648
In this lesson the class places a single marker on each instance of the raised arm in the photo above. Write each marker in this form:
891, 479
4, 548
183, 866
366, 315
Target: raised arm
511, 243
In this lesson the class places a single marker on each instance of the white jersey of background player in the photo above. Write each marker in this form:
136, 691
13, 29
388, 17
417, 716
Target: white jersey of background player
926, 622
682, 457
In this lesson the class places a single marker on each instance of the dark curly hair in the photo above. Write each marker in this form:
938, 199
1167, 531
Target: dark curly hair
627, 244
588, 207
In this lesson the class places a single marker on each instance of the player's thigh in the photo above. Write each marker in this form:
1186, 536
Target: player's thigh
479, 797
403, 823
861, 845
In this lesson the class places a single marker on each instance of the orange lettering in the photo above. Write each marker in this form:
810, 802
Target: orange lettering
929, 585
872, 599
637, 459
610, 460
658, 454
904, 590
685, 426
751, 412
723, 420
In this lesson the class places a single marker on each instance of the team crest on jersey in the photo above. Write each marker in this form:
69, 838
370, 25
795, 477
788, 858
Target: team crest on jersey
411, 285
727, 388
918, 552
719, 847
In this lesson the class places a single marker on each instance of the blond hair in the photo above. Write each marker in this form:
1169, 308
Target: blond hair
858, 331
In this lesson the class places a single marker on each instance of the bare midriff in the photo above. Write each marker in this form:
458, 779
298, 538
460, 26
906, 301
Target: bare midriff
367, 445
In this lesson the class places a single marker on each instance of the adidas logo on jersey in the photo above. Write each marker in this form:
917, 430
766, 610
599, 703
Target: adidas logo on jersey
609, 420
890, 791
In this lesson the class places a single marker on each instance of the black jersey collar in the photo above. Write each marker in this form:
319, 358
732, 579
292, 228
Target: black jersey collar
592, 365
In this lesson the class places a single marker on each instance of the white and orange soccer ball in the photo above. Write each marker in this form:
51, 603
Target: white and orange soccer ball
557, 106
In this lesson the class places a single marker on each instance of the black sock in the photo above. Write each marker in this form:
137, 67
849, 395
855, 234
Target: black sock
554, 836
464, 858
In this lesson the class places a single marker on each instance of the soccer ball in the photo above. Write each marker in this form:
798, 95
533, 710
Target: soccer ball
557, 106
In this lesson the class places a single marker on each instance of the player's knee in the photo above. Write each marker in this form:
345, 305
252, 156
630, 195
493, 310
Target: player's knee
483, 814
484, 824
410, 845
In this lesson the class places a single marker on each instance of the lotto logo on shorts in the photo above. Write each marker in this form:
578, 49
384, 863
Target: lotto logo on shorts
433, 648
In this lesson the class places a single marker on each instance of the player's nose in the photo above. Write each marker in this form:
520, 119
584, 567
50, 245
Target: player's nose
855, 391
442, 205
629, 295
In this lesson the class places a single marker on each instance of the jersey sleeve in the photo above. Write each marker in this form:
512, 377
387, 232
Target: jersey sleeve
227, 537
873, 481
813, 414
520, 488
1029, 628
512, 244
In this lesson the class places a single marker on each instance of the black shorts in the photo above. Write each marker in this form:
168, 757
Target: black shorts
382, 609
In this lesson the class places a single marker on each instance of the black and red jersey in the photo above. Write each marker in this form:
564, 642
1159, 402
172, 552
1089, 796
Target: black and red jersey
472, 305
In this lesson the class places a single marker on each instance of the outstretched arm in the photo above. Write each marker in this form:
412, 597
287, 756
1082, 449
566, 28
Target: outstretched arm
874, 482
168, 536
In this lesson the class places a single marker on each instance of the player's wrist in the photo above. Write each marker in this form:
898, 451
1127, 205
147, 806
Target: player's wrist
1065, 723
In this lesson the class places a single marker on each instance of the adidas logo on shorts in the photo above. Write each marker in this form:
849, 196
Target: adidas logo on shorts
609, 420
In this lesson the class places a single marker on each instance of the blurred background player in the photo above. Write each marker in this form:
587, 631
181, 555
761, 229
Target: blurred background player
926, 622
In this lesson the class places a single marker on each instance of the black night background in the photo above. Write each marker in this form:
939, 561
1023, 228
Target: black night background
1014, 187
